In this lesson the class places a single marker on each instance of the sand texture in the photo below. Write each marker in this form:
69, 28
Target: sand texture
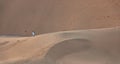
67, 31
93, 46
46, 16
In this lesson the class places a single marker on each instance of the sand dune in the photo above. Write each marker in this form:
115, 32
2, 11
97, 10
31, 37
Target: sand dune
93, 46
46, 16
60, 38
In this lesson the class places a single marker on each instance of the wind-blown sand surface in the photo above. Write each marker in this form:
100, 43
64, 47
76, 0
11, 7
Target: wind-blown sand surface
63, 41
93, 46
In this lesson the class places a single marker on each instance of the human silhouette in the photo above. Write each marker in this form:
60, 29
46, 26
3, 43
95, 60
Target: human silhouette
33, 33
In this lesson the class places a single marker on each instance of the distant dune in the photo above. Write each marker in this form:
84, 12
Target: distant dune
45, 16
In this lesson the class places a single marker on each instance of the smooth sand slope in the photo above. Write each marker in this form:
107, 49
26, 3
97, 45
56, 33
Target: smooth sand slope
45, 16
71, 44
93, 46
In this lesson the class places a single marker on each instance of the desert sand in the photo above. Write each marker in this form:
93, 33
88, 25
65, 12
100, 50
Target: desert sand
46, 16
92, 46
67, 31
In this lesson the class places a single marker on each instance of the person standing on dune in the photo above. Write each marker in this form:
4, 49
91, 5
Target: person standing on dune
33, 33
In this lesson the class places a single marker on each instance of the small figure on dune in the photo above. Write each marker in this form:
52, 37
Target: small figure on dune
33, 33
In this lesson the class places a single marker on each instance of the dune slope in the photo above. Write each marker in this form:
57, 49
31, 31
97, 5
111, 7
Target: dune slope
45, 16
81, 46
